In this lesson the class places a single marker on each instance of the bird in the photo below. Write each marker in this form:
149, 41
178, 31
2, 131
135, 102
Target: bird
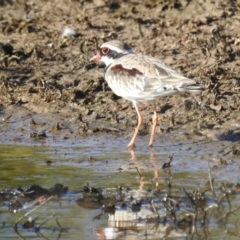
140, 78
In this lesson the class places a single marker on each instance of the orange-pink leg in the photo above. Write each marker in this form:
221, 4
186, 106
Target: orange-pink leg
155, 121
131, 145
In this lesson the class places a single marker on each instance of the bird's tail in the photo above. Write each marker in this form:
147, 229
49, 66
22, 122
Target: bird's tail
189, 87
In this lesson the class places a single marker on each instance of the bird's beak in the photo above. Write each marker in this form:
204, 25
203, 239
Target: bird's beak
96, 58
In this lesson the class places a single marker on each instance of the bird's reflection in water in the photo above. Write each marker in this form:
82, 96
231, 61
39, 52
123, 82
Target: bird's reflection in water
142, 212
148, 165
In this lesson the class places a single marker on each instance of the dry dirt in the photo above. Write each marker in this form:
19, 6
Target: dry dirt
48, 80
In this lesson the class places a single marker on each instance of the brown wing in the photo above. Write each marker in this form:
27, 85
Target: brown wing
144, 78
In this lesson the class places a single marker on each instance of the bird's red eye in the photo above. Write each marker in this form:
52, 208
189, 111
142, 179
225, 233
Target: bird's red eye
104, 51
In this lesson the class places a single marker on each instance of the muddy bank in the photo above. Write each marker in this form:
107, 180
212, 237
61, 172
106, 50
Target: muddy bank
48, 85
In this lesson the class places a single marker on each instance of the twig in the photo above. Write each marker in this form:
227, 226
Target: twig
154, 208
140, 30
191, 199
58, 224
227, 214
139, 174
25, 215
44, 222
210, 180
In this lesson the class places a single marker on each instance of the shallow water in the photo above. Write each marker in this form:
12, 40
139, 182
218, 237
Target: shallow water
111, 165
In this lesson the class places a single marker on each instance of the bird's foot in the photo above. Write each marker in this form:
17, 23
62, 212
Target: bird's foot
150, 145
131, 146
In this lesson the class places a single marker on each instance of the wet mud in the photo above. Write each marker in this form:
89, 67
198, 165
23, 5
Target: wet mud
52, 96
47, 72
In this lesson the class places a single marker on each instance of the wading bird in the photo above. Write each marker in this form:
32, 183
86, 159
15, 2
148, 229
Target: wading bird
140, 78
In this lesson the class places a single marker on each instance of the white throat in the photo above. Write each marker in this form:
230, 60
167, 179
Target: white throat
107, 60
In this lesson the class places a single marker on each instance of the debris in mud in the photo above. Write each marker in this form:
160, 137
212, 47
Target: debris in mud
35, 124
31, 198
47, 78
21, 196
165, 211
164, 207
236, 149
93, 198
67, 31
168, 163
36, 135
29, 223
6, 48
51, 75
5, 120
49, 163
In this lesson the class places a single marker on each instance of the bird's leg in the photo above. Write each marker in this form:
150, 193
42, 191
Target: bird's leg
155, 121
131, 145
